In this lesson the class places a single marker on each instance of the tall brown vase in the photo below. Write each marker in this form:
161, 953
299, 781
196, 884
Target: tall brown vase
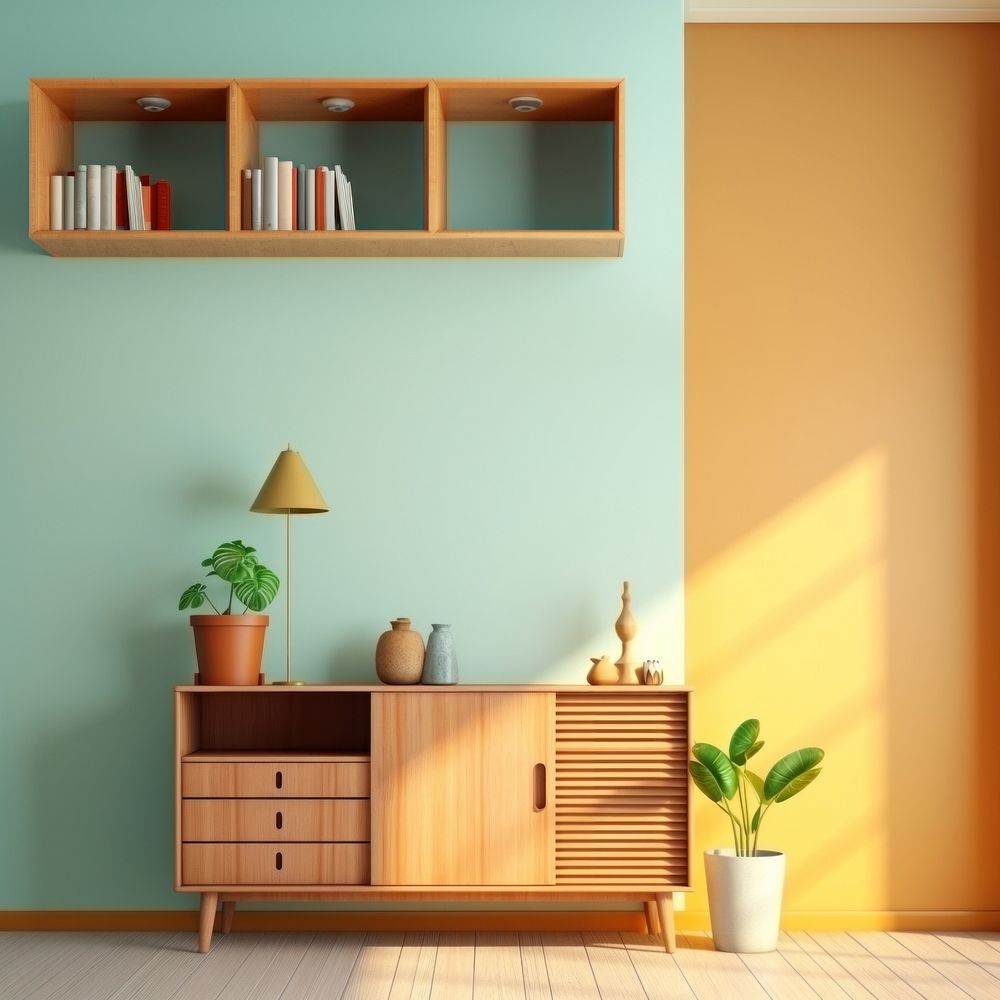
399, 655
229, 647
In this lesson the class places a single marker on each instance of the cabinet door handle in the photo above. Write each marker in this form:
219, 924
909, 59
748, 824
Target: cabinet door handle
277, 821
278, 860
539, 787
277, 779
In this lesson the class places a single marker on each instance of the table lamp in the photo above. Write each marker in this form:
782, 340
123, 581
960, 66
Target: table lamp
289, 489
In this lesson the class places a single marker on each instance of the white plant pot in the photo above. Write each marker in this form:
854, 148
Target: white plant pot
744, 899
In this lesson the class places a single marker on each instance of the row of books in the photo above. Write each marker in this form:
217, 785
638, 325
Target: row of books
104, 197
280, 196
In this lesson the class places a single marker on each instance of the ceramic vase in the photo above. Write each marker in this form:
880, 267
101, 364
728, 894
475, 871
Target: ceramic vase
603, 671
399, 654
744, 899
440, 663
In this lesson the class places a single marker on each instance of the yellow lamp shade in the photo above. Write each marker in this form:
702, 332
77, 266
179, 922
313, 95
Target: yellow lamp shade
289, 488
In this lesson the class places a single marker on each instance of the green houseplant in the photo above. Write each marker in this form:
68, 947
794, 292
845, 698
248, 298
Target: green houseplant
745, 883
229, 645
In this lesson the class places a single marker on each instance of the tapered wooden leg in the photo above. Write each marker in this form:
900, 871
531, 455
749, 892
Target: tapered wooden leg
665, 906
228, 909
652, 917
209, 902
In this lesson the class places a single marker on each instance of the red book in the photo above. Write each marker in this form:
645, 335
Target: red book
320, 200
147, 202
121, 202
161, 205
295, 198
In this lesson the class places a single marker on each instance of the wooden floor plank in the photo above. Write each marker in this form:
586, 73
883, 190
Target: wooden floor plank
41, 957
833, 980
536, 975
780, 979
455, 967
658, 972
498, 974
975, 981
613, 969
325, 968
134, 952
990, 937
914, 971
375, 969
974, 949
415, 968
214, 970
268, 969
863, 966
715, 975
570, 975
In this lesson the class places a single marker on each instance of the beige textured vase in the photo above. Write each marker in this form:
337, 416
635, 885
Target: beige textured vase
603, 671
399, 655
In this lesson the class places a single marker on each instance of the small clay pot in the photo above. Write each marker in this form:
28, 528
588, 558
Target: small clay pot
399, 654
229, 647
603, 671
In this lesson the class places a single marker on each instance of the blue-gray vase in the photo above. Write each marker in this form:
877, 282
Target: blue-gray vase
440, 664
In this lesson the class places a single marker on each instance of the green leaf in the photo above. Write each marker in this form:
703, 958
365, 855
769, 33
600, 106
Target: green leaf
755, 822
797, 784
720, 765
743, 739
231, 560
193, 597
754, 749
788, 769
758, 783
705, 780
207, 562
257, 587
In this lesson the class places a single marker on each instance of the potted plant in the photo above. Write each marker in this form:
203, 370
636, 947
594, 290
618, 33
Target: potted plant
230, 646
745, 883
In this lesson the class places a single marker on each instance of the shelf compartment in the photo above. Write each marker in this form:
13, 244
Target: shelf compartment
563, 100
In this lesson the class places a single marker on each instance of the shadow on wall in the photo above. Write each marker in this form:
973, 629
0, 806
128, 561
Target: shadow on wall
14, 178
71, 795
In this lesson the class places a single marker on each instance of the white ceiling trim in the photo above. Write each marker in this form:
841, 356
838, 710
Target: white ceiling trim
842, 11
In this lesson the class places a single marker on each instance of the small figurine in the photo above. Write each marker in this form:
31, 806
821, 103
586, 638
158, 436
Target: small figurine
603, 671
651, 673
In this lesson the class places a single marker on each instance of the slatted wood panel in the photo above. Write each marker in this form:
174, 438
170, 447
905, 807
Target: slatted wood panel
621, 788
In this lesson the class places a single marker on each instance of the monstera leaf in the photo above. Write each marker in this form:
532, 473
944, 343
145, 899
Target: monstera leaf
232, 561
257, 588
193, 597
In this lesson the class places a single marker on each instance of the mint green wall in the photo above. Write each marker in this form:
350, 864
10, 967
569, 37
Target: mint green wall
500, 441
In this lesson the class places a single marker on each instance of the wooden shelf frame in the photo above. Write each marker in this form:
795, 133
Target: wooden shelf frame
55, 105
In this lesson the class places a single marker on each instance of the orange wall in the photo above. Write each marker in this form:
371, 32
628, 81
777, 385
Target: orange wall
843, 314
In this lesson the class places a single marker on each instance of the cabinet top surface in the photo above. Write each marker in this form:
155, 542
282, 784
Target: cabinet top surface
639, 690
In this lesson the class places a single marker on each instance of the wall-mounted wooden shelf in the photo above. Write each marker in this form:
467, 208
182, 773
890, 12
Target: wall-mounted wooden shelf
570, 223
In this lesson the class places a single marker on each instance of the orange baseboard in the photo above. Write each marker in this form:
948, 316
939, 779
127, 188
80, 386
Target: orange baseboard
483, 920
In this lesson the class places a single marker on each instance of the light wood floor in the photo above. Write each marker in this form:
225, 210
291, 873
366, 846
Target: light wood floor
144, 966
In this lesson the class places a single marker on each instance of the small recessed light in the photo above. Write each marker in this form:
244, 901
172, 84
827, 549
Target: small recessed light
337, 104
525, 104
153, 104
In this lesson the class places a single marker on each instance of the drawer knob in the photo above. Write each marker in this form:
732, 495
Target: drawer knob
277, 820
278, 860
277, 779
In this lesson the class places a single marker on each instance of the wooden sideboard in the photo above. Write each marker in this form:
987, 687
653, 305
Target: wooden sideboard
472, 792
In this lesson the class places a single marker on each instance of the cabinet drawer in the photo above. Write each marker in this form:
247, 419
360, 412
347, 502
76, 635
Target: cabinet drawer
275, 864
280, 780
275, 819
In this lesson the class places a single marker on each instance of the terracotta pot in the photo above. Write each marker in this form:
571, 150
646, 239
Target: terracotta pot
399, 654
229, 647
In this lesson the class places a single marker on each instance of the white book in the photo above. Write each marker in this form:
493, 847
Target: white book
285, 206
310, 198
270, 192
108, 197
341, 183
300, 197
93, 196
80, 211
56, 201
255, 199
133, 199
69, 202
329, 200
350, 205
140, 212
